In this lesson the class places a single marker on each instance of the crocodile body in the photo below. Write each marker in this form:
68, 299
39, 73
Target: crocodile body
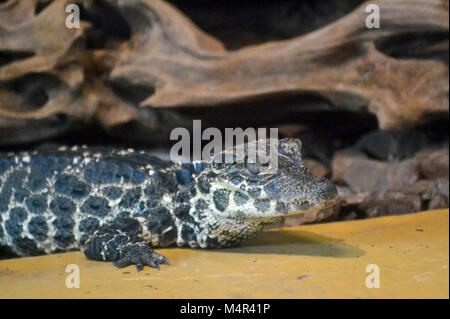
116, 205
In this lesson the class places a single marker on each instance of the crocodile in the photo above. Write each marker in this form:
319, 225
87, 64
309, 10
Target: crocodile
117, 205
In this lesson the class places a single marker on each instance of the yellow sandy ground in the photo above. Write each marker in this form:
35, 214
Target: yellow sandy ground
316, 261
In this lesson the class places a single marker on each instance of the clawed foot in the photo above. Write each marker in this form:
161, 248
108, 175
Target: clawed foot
141, 256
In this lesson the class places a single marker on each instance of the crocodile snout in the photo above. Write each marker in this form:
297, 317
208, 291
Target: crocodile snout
325, 190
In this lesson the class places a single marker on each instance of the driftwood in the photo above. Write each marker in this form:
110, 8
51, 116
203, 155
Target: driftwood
47, 69
338, 62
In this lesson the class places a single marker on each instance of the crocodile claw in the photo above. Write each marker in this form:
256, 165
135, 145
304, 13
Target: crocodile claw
141, 256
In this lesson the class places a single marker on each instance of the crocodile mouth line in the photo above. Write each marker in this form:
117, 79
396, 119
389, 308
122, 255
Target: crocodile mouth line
295, 212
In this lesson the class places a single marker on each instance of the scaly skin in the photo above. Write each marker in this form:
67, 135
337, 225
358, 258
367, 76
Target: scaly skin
115, 205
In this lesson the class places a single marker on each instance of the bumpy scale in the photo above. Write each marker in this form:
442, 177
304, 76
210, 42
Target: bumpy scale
115, 205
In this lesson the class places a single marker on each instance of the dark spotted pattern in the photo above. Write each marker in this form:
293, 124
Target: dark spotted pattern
13, 225
184, 176
138, 176
97, 206
26, 245
187, 233
105, 172
262, 205
126, 225
14, 181
280, 207
71, 199
64, 235
2, 233
221, 198
20, 195
236, 179
201, 205
123, 174
5, 196
13, 228
131, 198
5, 164
46, 166
38, 228
112, 192
37, 182
88, 225
204, 185
183, 197
240, 198
152, 191
72, 186
212, 242
114, 204
160, 221
36, 204
62, 207
182, 213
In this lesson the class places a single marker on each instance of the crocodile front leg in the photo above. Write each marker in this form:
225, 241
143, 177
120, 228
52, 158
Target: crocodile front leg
123, 247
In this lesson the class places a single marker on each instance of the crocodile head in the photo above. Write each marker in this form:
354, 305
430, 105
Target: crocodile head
254, 194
